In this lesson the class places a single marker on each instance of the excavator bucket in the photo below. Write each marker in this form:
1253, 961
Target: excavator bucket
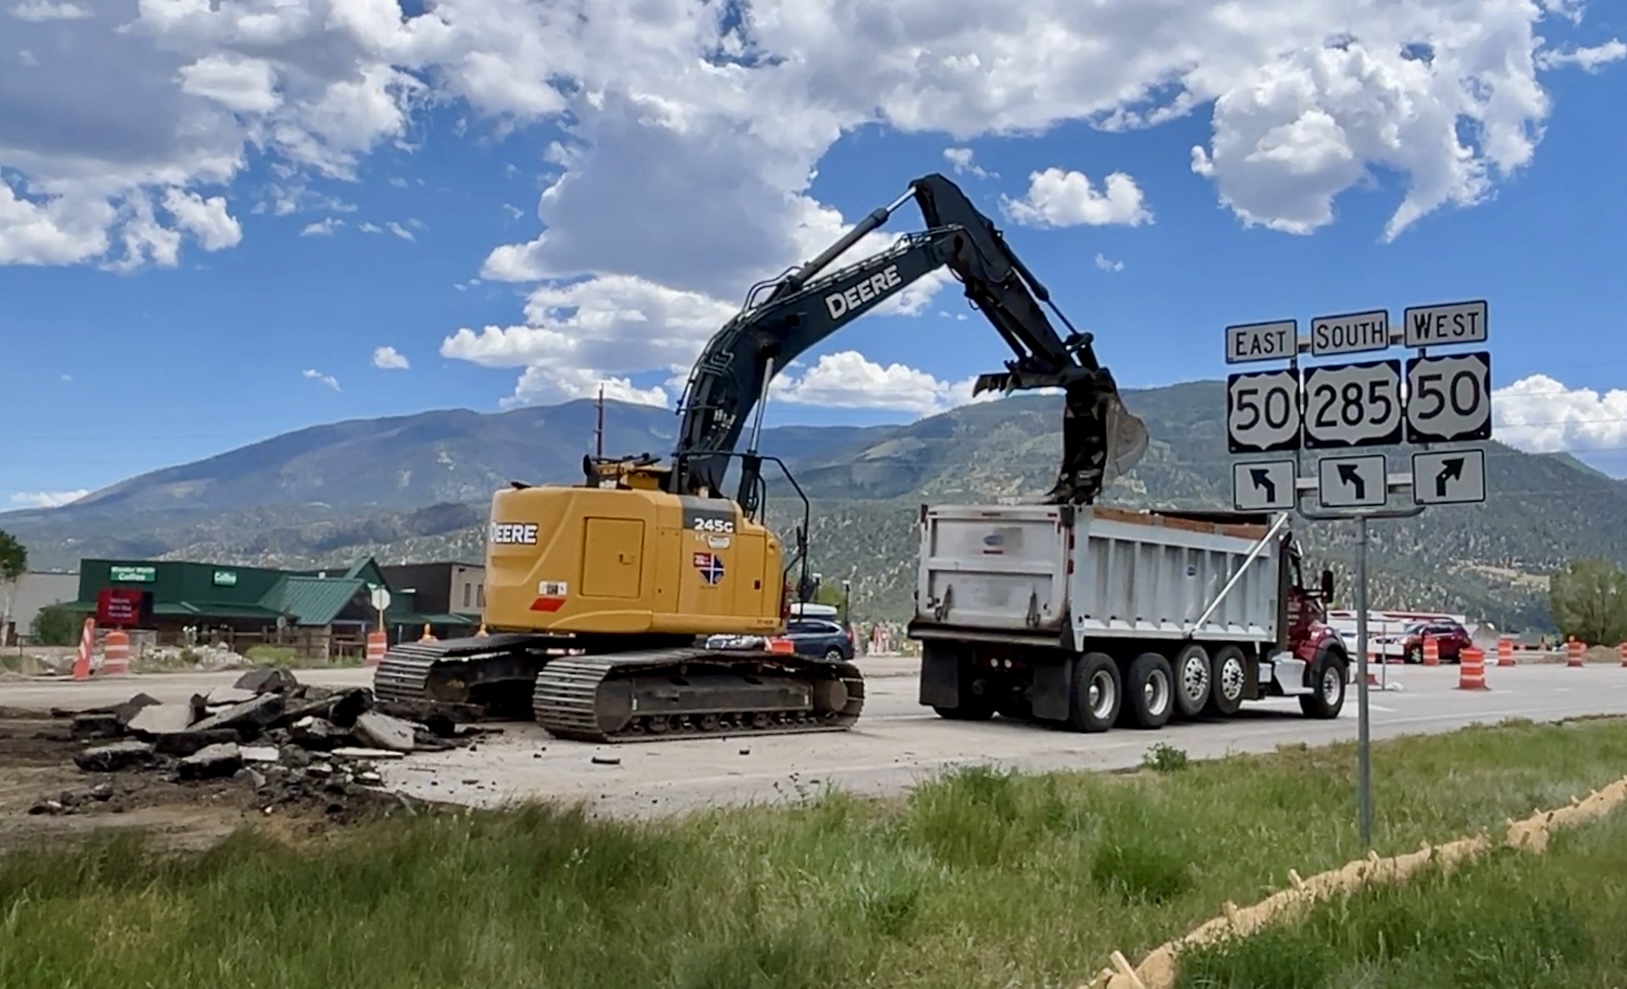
1101, 439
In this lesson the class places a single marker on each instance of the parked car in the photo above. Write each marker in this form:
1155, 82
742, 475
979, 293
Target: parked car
817, 637
1450, 638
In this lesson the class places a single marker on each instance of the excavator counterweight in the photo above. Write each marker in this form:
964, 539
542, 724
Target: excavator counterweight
644, 603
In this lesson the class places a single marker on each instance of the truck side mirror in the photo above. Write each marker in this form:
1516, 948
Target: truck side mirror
1327, 584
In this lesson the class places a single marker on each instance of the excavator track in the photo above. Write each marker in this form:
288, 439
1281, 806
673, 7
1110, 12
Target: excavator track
493, 673
659, 694
634, 696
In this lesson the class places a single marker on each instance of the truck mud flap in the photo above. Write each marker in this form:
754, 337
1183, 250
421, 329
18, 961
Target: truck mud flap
940, 677
1051, 689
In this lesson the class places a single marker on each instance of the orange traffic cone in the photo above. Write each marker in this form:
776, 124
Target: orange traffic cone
428, 636
1505, 652
87, 647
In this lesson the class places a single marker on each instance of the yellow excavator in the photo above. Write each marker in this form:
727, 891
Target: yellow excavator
610, 604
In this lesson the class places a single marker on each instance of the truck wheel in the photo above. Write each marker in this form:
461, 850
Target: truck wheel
1228, 676
1327, 696
1192, 680
1096, 693
1149, 691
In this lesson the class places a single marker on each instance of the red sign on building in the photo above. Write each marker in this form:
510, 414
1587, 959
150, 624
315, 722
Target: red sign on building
121, 606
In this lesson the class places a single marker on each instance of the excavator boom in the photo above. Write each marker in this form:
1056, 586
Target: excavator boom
1101, 439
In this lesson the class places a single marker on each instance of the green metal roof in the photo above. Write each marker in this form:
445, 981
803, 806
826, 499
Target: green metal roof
188, 609
312, 600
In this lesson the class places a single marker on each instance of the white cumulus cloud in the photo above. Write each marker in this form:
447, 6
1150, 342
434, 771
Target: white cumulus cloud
1540, 414
326, 379
389, 359
849, 380
1056, 198
47, 499
1108, 264
39, 11
139, 144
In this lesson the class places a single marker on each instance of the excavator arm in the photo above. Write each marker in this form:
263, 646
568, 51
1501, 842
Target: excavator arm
1101, 439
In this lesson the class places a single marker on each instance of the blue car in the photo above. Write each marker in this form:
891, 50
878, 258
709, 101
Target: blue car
820, 638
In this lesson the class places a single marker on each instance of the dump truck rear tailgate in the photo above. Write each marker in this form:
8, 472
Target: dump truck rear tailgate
994, 567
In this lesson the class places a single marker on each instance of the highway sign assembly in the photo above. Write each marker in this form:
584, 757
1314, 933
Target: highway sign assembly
1436, 398
1273, 341
1439, 326
1352, 481
1264, 486
1449, 477
1262, 411
1350, 333
1353, 405
1449, 398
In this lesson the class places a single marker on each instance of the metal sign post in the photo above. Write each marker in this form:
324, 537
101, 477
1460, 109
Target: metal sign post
1345, 408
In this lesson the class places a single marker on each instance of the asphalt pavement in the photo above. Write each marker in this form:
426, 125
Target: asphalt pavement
895, 744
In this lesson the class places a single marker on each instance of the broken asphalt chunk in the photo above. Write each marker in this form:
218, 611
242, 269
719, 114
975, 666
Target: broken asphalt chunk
161, 719
114, 757
249, 717
381, 731
211, 762
317, 733
267, 680
185, 743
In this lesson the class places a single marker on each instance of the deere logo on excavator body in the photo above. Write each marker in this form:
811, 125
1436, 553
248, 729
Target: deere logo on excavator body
877, 286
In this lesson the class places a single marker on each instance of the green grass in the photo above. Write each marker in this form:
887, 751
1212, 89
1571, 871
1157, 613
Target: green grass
978, 880
1510, 921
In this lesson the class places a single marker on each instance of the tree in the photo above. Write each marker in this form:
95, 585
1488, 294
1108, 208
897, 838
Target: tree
54, 626
13, 563
1588, 599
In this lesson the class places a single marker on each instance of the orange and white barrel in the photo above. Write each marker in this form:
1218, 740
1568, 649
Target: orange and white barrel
1471, 669
377, 644
116, 654
1575, 653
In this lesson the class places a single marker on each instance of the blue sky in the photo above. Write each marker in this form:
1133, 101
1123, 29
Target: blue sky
377, 222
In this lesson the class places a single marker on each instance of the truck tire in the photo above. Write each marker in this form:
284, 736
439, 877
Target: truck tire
1327, 682
1149, 691
1096, 693
1193, 678
1228, 677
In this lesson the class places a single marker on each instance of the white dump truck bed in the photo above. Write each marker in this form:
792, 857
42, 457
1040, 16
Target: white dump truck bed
1068, 574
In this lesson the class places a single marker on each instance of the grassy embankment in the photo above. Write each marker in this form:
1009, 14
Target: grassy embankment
980, 880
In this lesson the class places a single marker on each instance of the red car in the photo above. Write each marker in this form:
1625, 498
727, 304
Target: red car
1450, 638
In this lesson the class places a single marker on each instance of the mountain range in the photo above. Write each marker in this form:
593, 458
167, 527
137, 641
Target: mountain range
417, 487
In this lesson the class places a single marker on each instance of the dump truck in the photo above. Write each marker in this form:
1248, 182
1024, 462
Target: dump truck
1087, 617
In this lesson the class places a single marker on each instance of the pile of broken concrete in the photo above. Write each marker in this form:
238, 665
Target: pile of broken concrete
291, 741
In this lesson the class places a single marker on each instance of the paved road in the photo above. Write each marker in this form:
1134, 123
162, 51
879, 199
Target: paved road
895, 744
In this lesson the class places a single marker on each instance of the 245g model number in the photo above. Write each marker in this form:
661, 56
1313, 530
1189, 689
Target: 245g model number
719, 525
